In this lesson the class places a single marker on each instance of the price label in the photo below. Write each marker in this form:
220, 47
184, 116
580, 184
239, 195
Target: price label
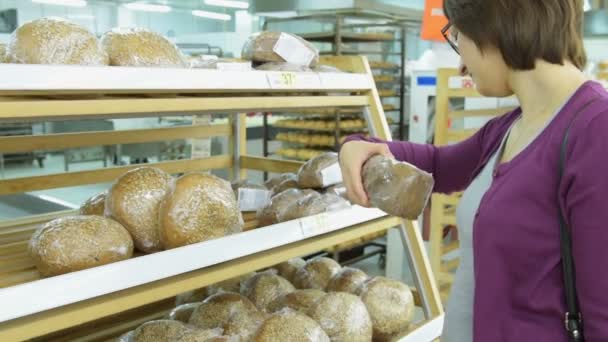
315, 225
292, 80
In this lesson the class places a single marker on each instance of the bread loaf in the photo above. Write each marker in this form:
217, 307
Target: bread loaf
198, 295
2, 53
348, 280
280, 47
200, 335
390, 304
313, 205
198, 207
95, 205
159, 331
320, 172
316, 274
264, 288
298, 300
287, 183
274, 210
397, 188
282, 66
126, 337
289, 268
288, 325
54, 41
134, 201
78, 242
338, 189
183, 312
250, 196
138, 47
344, 317
272, 182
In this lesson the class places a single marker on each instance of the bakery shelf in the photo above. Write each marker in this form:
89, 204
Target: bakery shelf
382, 65
343, 129
349, 37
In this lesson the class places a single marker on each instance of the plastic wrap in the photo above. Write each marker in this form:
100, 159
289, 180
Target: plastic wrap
344, 317
75, 243
390, 304
138, 47
134, 202
126, 337
282, 66
284, 185
316, 274
230, 311
95, 205
289, 268
275, 208
224, 339
348, 280
326, 68
338, 190
272, 182
198, 295
298, 300
320, 172
160, 330
54, 41
264, 288
313, 205
250, 196
270, 46
397, 188
198, 207
183, 312
289, 325
194, 334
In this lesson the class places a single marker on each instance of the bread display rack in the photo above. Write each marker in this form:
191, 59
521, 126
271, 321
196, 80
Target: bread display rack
102, 302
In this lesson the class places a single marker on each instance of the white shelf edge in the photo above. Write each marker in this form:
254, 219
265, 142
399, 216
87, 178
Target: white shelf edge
45, 294
430, 331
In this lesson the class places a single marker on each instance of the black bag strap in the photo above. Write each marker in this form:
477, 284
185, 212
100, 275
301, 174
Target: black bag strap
573, 318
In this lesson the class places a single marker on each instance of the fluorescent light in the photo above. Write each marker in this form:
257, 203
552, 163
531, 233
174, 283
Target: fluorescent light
141, 6
211, 15
228, 3
586, 6
71, 3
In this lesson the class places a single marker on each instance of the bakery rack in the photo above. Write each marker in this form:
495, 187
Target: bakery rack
102, 302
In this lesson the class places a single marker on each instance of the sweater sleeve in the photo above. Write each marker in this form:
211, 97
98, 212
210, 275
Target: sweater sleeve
584, 188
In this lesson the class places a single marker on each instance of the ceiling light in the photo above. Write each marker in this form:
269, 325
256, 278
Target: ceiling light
140, 6
71, 3
211, 15
228, 3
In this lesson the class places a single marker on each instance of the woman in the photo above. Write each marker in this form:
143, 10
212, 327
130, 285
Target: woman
509, 286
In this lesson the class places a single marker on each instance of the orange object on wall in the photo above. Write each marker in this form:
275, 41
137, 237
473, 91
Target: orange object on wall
433, 20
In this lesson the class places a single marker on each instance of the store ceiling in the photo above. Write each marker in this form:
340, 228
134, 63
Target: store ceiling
179, 4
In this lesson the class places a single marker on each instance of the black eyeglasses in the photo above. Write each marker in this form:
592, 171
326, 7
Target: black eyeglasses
453, 41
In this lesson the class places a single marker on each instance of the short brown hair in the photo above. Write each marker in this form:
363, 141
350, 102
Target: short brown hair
523, 30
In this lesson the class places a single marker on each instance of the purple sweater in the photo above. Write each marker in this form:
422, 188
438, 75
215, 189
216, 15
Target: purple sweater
519, 293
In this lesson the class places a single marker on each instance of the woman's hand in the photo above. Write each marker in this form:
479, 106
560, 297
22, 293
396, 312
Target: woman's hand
353, 155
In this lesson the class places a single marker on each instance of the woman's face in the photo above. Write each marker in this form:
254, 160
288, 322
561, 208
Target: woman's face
488, 69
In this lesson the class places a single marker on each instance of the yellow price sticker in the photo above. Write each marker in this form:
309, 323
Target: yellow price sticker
282, 80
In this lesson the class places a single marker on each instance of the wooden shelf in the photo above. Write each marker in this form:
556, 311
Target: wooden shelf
383, 65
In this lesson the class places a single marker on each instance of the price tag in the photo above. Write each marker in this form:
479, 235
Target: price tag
315, 225
292, 80
252, 199
331, 175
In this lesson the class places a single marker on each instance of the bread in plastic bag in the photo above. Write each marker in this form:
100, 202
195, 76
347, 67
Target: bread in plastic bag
268, 46
126, 337
76, 243
276, 180
2, 53
397, 188
348, 280
289, 268
338, 189
289, 325
314, 205
52, 40
95, 205
326, 68
320, 172
134, 201
194, 334
282, 66
287, 183
228, 285
198, 207
390, 304
183, 312
275, 208
139, 47
160, 330
265, 287
298, 300
316, 274
344, 317
250, 196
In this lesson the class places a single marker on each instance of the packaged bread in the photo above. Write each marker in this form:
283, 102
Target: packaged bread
289, 268
289, 325
275, 208
320, 172
298, 300
183, 312
134, 201
287, 183
160, 330
198, 207
348, 280
270, 46
76, 243
250, 196
228, 285
326, 68
283, 66
53, 40
397, 188
316, 274
200, 335
264, 288
313, 205
343, 317
95, 205
338, 189
126, 337
390, 304
232, 312
138, 47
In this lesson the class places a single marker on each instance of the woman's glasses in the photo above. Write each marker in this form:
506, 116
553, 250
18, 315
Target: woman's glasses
451, 36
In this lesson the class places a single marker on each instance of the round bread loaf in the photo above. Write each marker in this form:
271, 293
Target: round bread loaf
95, 205
272, 182
311, 174
54, 41
298, 300
348, 280
199, 207
224, 338
78, 242
134, 201
314, 205
264, 288
316, 274
126, 337
284, 185
183, 312
138, 47
199, 335
260, 47
390, 304
198, 295
289, 268
288, 325
232, 312
275, 208
344, 317
162, 330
